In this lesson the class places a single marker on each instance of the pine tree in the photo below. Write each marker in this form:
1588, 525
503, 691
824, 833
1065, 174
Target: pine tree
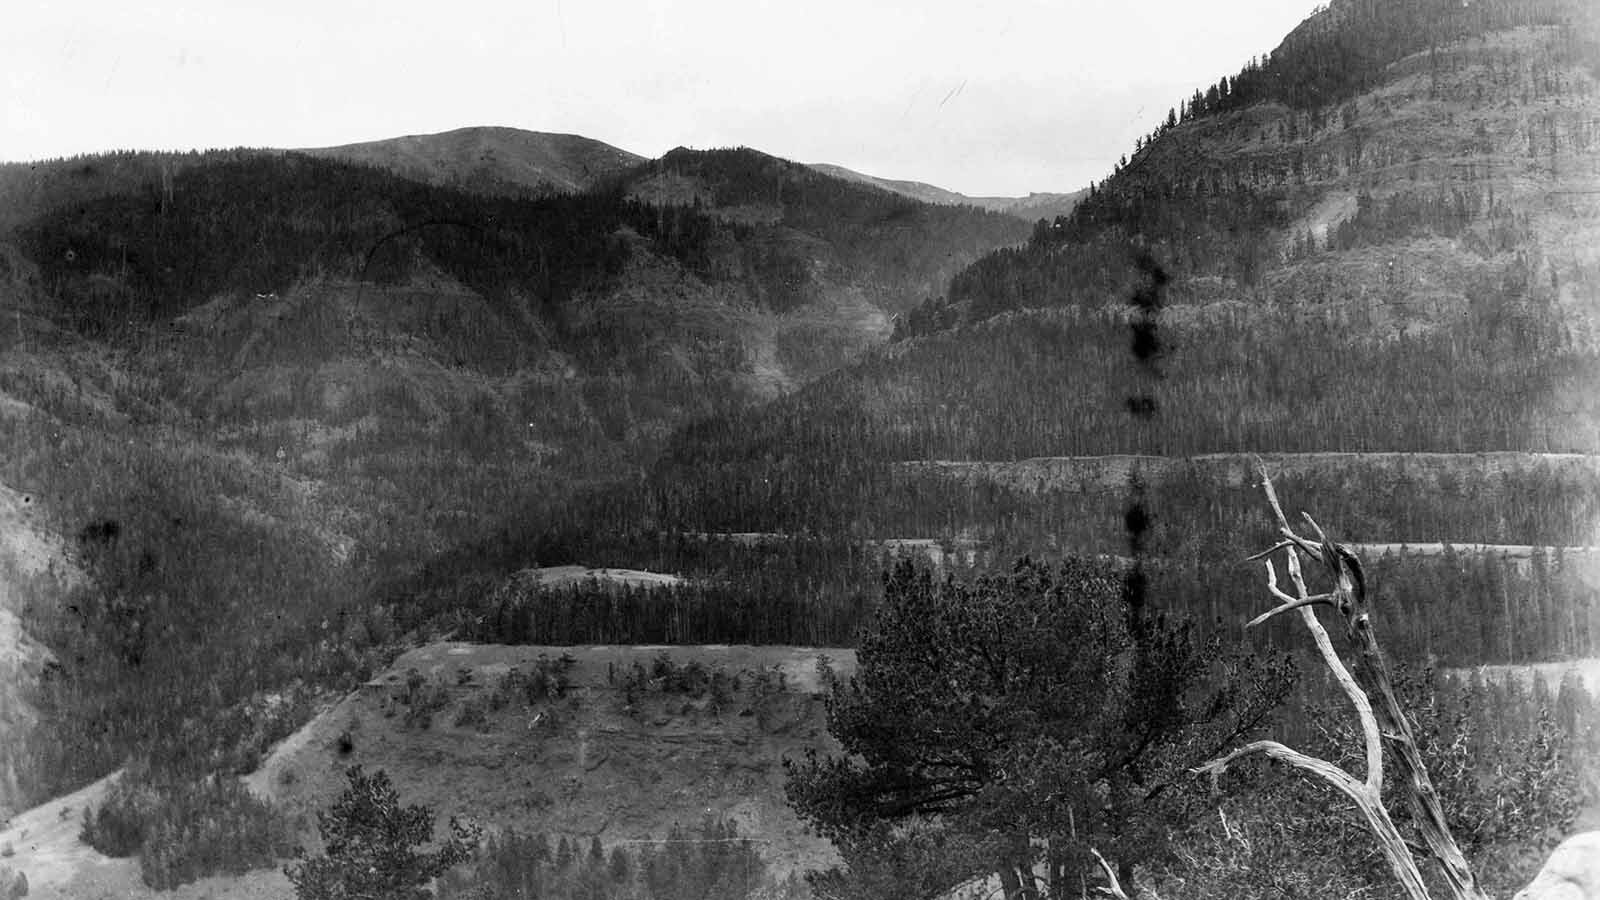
370, 846
1025, 711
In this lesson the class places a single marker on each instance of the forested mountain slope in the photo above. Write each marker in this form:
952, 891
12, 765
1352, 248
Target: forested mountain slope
31, 189
251, 383
263, 288
1394, 165
1384, 244
889, 250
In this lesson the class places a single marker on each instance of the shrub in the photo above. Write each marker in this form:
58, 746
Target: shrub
665, 676
473, 713
550, 679
767, 682
117, 828
422, 698
183, 830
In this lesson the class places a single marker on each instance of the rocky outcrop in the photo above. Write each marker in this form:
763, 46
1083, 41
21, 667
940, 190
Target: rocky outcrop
1571, 873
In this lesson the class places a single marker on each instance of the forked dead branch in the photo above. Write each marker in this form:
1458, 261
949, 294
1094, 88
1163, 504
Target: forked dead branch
1384, 724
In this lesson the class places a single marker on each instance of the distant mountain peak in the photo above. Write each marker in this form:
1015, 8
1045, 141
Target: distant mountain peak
1036, 205
493, 158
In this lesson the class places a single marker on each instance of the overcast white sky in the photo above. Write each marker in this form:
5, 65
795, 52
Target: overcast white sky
1000, 97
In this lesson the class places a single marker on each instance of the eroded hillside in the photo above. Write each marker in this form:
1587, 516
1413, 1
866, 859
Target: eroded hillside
35, 570
617, 743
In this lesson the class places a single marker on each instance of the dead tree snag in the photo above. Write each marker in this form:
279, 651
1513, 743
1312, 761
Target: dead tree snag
1371, 691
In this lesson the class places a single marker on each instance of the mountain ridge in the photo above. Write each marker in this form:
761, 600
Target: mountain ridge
486, 158
1035, 205
493, 158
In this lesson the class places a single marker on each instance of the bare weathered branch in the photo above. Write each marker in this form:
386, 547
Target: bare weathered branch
1330, 657
1272, 493
1270, 550
1321, 768
1297, 575
1322, 536
1115, 890
1289, 603
1290, 538
1318, 600
1365, 797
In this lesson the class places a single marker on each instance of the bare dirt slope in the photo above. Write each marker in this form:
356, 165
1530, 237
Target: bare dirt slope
43, 844
34, 568
44, 840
